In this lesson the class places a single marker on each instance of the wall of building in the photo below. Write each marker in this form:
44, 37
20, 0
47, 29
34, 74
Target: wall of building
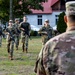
33, 19
56, 6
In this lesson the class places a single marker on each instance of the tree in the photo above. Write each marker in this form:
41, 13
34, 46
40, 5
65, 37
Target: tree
61, 25
20, 7
4, 9
11, 10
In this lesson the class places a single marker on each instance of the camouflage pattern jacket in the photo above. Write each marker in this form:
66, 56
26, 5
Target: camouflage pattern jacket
58, 55
18, 31
48, 31
11, 32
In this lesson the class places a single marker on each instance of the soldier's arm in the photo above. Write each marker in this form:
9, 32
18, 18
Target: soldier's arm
49, 58
46, 63
20, 27
39, 69
6, 31
52, 30
42, 31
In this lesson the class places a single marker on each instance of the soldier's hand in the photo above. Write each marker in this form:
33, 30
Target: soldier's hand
22, 29
45, 32
8, 33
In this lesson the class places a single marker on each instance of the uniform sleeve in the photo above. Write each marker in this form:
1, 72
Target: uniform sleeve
49, 57
46, 61
52, 31
41, 29
40, 67
20, 25
6, 30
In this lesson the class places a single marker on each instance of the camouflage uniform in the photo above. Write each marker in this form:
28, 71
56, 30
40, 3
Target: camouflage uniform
58, 55
17, 36
11, 31
46, 33
25, 35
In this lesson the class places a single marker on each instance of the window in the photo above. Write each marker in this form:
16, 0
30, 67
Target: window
62, 5
56, 18
39, 19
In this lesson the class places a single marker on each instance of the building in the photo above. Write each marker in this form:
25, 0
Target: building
52, 8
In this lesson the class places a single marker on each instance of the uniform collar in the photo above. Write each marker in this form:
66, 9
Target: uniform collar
71, 29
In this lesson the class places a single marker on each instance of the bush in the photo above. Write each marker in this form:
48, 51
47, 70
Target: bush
33, 33
61, 25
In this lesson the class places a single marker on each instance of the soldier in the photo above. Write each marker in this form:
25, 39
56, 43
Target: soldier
58, 55
46, 32
10, 30
17, 36
25, 28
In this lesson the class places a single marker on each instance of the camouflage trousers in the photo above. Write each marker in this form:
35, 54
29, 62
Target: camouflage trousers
44, 39
17, 41
10, 48
25, 40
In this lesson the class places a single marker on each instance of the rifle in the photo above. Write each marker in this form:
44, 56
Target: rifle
11, 34
18, 31
26, 32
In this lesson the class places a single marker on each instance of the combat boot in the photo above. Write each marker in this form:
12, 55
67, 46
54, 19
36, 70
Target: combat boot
10, 57
16, 48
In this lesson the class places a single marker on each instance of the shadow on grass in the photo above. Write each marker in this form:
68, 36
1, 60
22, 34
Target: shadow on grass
21, 59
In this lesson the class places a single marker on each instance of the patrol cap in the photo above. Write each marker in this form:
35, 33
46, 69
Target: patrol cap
46, 20
70, 8
16, 19
10, 20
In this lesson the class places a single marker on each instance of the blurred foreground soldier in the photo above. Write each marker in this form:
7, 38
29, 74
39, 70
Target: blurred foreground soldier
58, 55
17, 36
10, 30
46, 32
25, 28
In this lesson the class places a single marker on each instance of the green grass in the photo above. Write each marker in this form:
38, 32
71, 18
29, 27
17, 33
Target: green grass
23, 63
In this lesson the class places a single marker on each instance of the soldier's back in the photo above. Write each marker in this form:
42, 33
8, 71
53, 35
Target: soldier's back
61, 51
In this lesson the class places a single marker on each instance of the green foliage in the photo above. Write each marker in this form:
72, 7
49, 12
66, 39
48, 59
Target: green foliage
19, 8
23, 63
33, 33
4, 9
61, 25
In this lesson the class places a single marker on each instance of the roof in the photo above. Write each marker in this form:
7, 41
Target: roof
53, 2
47, 7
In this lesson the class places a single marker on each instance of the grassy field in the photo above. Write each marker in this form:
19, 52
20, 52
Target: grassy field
23, 63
